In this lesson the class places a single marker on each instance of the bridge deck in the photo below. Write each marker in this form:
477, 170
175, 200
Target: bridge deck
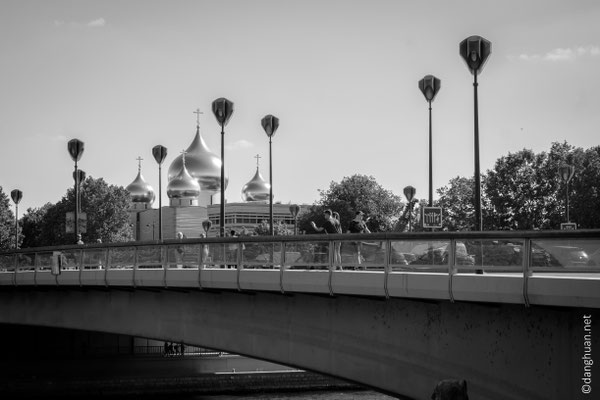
545, 268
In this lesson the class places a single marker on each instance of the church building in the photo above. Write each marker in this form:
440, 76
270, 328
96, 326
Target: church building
194, 177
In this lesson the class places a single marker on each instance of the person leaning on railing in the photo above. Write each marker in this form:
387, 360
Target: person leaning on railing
333, 226
358, 225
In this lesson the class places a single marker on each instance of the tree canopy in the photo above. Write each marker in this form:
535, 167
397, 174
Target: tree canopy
7, 222
107, 217
356, 193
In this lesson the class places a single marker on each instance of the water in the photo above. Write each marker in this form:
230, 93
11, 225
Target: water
305, 395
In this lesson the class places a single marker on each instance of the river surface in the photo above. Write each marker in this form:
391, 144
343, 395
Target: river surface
304, 395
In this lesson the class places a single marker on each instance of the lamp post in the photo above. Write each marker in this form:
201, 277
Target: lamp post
160, 153
566, 173
16, 196
222, 109
430, 85
76, 147
409, 192
294, 210
475, 50
79, 177
270, 124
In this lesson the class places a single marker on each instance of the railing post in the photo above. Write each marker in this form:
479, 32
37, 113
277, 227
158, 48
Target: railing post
164, 262
135, 266
451, 268
331, 266
527, 257
200, 264
36, 264
282, 267
239, 264
80, 265
386, 267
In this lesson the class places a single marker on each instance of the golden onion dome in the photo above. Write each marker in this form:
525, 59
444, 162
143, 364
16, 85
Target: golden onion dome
140, 190
202, 164
257, 189
183, 185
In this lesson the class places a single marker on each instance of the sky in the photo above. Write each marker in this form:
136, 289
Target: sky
341, 76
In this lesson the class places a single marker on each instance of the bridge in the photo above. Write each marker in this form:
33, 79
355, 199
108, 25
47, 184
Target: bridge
509, 312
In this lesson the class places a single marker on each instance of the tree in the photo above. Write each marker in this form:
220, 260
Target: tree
32, 223
107, 217
456, 201
7, 223
279, 229
356, 193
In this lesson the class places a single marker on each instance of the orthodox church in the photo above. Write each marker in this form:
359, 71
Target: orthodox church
194, 177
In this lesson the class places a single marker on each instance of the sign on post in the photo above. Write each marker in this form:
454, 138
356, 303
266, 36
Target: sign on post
568, 226
70, 222
432, 217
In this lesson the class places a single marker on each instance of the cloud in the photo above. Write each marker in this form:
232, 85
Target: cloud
562, 54
95, 23
240, 144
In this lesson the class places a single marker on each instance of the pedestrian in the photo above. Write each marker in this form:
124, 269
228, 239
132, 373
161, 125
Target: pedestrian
358, 225
332, 226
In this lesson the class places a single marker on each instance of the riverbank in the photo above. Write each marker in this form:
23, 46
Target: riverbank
206, 384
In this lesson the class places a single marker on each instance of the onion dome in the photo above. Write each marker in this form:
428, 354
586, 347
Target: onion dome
183, 185
140, 190
202, 164
257, 189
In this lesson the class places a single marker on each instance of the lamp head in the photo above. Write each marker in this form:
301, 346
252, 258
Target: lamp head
75, 147
160, 153
16, 195
222, 109
410, 192
294, 210
270, 124
430, 86
206, 224
79, 175
475, 50
566, 172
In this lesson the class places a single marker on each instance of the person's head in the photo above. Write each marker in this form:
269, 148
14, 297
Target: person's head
360, 214
336, 215
232, 233
202, 236
328, 214
179, 235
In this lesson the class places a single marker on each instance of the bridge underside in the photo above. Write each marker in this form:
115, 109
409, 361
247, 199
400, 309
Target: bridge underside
399, 346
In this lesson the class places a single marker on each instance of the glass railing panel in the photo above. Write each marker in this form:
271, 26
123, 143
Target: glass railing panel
70, 260
362, 255
489, 255
25, 262
149, 257
183, 256
262, 255
309, 255
121, 258
419, 255
7, 263
215, 254
45, 261
566, 254
94, 259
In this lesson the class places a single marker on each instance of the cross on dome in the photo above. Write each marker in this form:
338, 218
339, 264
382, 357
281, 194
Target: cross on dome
198, 112
139, 159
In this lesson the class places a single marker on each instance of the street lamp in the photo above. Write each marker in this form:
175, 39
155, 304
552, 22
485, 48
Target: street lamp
160, 153
566, 173
206, 224
430, 85
294, 210
16, 196
409, 192
475, 50
222, 109
270, 124
76, 147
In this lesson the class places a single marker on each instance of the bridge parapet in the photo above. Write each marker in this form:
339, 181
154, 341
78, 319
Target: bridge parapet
541, 267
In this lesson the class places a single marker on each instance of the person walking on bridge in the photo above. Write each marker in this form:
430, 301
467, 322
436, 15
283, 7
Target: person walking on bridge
358, 225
